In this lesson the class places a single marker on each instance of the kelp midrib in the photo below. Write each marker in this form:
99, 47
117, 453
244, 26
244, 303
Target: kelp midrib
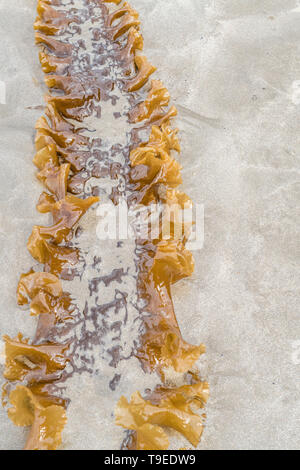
152, 175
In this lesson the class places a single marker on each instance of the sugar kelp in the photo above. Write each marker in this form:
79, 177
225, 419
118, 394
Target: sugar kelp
78, 85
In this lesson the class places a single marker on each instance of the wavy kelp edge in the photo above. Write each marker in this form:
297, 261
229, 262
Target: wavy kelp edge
162, 262
33, 368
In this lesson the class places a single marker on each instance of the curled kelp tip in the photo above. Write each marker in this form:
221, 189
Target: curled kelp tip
51, 63
163, 347
32, 283
45, 294
177, 198
51, 21
60, 49
135, 42
172, 262
55, 179
46, 155
153, 106
154, 111
193, 395
153, 165
146, 436
126, 18
66, 214
173, 408
24, 404
24, 361
144, 69
177, 218
47, 423
165, 137
56, 258
66, 210
179, 354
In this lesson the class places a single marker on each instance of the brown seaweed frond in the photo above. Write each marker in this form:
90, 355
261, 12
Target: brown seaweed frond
173, 408
46, 422
33, 363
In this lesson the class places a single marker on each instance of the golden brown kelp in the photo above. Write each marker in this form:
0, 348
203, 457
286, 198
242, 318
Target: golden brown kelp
152, 176
155, 175
35, 368
167, 408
